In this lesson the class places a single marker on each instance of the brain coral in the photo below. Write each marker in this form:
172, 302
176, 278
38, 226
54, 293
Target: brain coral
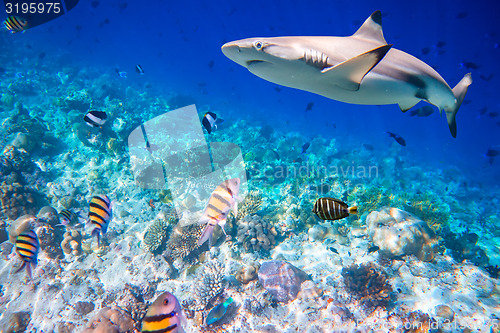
398, 233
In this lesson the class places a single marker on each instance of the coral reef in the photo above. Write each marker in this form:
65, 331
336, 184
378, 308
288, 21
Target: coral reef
17, 322
426, 206
281, 279
48, 215
445, 312
398, 233
110, 319
367, 284
250, 205
255, 234
20, 225
493, 271
184, 240
17, 200
417, 322
84, 308
72, 242
50, 235
209, 284
19, 180
156, 236
248, 273
131, 298
463, 247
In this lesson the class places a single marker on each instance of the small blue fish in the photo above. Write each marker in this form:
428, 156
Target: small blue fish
218, 312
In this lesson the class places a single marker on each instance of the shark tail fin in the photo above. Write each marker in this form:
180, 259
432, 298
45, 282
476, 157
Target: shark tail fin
459, 91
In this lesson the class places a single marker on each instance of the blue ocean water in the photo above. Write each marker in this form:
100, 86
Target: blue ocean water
178, 44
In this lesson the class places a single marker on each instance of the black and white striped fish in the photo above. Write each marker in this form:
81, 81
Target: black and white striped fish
95, 118
332, 209
164, 316
223, 199
100, 215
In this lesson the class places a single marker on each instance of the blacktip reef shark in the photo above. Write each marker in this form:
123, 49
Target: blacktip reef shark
359, 69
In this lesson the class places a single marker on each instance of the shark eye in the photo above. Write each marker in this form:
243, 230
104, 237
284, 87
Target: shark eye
258, 45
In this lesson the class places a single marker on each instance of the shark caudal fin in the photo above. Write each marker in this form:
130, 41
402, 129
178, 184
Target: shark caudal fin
459, 92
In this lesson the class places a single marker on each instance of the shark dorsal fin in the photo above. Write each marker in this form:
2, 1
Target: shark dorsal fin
348, 74
372, 29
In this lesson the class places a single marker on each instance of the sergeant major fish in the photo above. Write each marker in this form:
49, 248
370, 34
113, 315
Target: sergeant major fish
27, 246
164, 316
332, 209
100, 214
223, 199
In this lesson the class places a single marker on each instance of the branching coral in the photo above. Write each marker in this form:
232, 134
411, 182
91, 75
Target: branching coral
367, 284
208, 285
184, 240
155, 237
250, 205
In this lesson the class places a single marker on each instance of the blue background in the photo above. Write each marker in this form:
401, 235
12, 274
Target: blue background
177, 41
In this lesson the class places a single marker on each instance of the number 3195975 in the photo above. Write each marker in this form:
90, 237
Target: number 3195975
33, 8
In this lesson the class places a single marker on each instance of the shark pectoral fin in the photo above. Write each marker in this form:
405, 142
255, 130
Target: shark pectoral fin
348, 74
407, 105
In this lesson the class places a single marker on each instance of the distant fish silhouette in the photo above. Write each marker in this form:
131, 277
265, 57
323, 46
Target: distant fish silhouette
138, 69
483, 110
309, 106
440, 44
398, 138
305, 146
487, 78
493, 114
470, 65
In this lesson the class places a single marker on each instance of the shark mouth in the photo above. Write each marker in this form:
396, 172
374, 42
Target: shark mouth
253, 62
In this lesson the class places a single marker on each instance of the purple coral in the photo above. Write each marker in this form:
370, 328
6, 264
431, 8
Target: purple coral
281, 279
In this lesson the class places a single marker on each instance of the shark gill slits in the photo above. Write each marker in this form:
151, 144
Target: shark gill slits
316, 59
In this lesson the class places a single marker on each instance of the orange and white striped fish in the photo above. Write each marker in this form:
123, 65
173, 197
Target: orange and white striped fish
223, 199
100, 214
164, 316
